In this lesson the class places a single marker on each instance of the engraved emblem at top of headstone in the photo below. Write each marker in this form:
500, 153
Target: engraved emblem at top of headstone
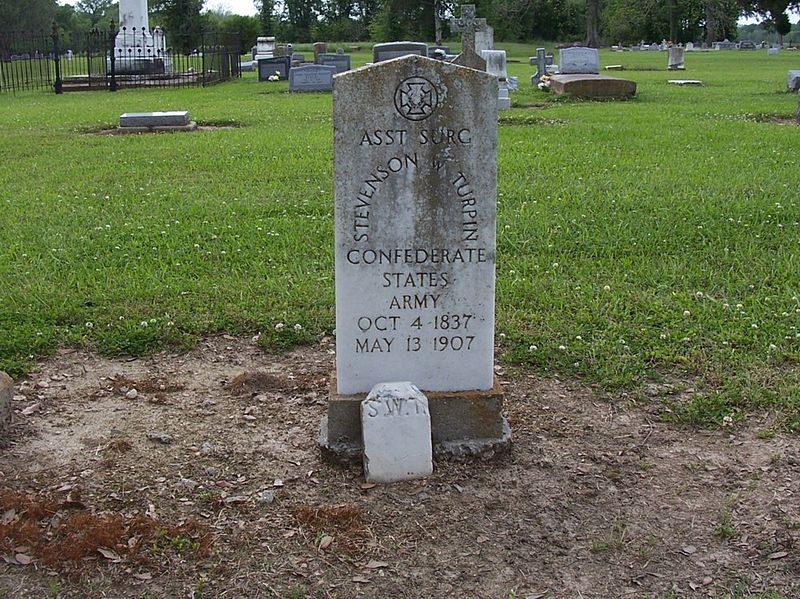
467, 25
415, 98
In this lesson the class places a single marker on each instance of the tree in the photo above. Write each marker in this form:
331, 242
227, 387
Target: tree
98, 11
266, 16
592, 23
31, 15
182, 21
774, 11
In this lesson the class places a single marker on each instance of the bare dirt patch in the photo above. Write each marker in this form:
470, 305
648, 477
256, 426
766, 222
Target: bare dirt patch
218, 490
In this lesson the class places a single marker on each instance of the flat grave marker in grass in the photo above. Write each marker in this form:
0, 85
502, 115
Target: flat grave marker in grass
172, 118
415, 147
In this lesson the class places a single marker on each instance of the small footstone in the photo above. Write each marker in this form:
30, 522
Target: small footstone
6, 394
174, 118
396, 425
685, 82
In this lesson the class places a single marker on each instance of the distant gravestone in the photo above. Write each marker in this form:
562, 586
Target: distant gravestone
396, 425
415, 151
174, 118
689, 47
773, 51
468, 26
484, 40
319, 48
675, 61
6, 395
298, 58
793, 81
578, 60
280, 65
265, 48
281, 50
496, 65
340, 61
685, 82
390, 50
540, 62
311, 78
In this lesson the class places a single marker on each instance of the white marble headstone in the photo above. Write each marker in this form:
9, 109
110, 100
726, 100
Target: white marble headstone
415, 166
579, 61
396, 428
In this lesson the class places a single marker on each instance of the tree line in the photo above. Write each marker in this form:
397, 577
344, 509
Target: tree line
594, 22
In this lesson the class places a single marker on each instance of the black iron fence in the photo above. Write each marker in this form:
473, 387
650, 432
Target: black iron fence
110, 59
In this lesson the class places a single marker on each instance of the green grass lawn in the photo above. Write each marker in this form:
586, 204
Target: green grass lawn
637, 240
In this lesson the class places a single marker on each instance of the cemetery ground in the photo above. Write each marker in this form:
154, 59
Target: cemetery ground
647, 339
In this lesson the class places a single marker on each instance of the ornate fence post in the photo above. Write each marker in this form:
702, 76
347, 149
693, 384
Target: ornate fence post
110, 47
58, 86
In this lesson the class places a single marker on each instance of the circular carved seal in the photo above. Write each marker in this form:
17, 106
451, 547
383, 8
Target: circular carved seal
416, 98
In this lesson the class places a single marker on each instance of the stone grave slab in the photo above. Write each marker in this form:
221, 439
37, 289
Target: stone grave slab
685, 82
396, 425
593, 86
269, 66
6, 395
311, 78
173, 118
340, 61
390, 50
415, 147
578, 61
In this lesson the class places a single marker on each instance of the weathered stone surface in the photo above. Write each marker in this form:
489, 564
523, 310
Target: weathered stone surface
390, 50
793, 81
396, 429
415, 146
469, 59
311, 78
6, 395
175, 118
593, 86
579, 61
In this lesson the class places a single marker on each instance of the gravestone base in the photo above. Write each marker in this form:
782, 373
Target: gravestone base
191, 126
464, 424
593, 86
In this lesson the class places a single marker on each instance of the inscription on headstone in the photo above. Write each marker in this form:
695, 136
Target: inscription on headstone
415, 142
396, 427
